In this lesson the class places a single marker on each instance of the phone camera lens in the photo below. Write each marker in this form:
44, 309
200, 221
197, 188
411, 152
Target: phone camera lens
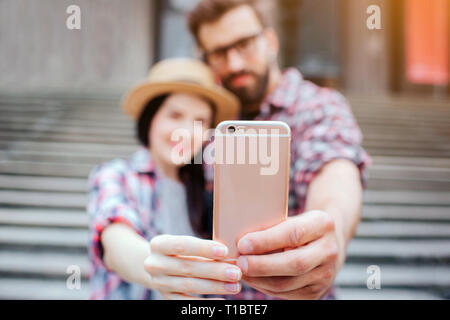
231, 129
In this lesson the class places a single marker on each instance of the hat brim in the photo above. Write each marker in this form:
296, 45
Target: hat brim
227, 105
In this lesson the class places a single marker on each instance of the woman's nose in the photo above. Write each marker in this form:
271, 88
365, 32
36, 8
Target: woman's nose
193, 127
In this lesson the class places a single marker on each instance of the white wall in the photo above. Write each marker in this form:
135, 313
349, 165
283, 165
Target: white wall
113, 49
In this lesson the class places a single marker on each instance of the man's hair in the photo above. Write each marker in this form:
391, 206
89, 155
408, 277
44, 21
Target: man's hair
208, 11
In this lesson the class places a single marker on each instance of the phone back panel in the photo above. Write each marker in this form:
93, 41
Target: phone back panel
250, 195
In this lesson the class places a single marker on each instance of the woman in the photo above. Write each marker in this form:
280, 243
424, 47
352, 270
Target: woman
150, 216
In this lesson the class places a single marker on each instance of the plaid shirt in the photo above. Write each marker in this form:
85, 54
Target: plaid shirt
123, 191
322, 128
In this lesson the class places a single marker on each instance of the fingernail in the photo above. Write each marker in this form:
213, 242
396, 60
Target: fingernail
245, 246
242, 263
220, 251
232, 287
233, 274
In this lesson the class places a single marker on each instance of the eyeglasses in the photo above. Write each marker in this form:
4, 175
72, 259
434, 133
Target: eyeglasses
244, 46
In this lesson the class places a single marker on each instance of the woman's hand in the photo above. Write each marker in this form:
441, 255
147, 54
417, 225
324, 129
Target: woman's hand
183, 266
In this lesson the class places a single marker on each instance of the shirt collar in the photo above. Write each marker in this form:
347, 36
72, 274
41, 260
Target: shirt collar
142, 162
286, 91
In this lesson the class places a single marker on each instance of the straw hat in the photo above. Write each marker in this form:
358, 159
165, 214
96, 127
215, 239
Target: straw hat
186, 76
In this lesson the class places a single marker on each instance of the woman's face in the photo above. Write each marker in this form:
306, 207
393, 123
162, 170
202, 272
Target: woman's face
176, 117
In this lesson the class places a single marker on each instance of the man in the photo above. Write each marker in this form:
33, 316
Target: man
327, 161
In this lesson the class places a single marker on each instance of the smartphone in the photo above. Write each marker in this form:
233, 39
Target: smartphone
251, 178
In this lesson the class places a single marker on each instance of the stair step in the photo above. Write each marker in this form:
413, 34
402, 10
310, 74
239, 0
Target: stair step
43, 218
66, 138
390, 172
80, 219
69, 112
399, 249
69, 200
390, 152
394, 229
409, 173
43, 199
384, 294
42, 183
49, 120
42, 264
412, 185
98, 148
56, 265
395, 275
407, 197
79, 184
436, 145
57, 157
405, 212
51, 169
41, 289
358, 247
48, 237
15, 127
412, 161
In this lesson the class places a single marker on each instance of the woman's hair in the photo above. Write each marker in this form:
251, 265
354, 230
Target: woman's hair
191, 175
146, 117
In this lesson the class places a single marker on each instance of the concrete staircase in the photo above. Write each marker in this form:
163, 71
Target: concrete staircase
49, 144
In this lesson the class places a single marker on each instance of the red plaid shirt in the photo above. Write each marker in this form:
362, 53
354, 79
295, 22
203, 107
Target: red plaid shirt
323, 128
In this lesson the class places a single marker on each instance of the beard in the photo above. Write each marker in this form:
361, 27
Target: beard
249, 95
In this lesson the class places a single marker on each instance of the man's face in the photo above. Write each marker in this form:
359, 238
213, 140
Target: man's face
239, 51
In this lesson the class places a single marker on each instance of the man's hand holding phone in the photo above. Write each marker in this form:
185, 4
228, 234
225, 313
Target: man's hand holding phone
182, 267
307, 261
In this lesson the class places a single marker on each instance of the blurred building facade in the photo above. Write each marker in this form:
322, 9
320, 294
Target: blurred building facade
113, 48
328, 40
